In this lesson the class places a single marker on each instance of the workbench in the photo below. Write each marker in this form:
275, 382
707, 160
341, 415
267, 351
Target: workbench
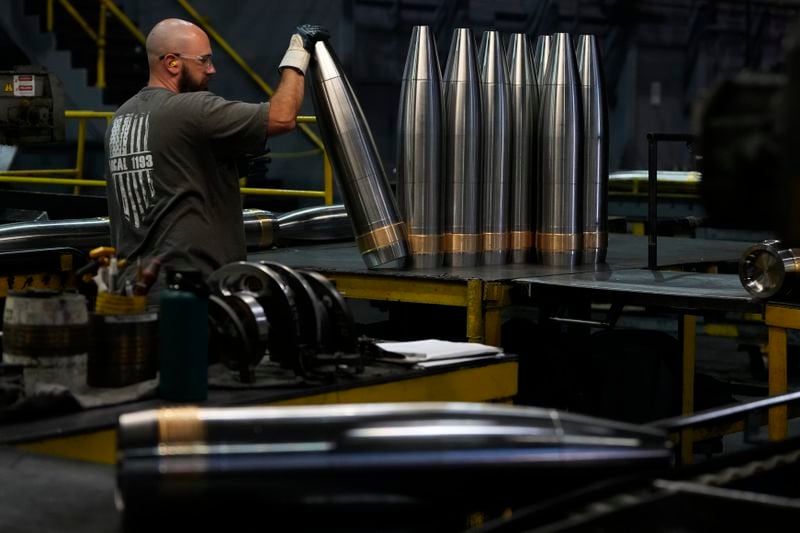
90, 434
484, 291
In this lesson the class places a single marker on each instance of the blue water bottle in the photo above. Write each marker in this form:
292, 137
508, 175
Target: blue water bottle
183, 337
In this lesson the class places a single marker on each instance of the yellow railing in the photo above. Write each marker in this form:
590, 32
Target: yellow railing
75, 175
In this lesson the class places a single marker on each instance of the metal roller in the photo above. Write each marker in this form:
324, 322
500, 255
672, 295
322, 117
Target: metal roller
238, 332
496, 151
419, 149
381, 234
276, 298
769, 270
338, 335
559, 228
313, 316
524, 111
462, 152
595, 150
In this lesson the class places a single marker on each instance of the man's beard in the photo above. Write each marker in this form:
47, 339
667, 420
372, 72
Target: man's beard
187, 85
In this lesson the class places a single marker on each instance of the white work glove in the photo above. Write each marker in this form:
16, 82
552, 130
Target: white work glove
301, 45
296, 55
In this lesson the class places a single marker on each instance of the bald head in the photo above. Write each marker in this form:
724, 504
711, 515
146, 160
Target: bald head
174, 35
179, 56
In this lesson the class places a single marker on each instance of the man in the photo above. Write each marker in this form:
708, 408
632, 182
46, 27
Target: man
171, 150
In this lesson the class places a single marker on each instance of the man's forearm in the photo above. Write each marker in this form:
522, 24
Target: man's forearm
285, 102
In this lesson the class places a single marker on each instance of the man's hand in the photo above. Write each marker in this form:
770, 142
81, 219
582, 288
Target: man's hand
301, 45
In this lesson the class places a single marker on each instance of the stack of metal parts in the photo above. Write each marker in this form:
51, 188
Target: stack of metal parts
296, 316
365, 467
380, 232
770, 270
525, 147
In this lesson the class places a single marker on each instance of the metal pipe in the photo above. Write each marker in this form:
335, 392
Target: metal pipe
558, 235
524, 111
462, 156
381, 233
263, 230
595, 151
82, 234
496, 151
419, 149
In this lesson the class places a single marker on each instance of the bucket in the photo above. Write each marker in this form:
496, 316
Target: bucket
123, 350
46, 333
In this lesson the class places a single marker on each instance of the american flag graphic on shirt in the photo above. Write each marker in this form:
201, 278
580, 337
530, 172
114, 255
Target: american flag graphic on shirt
131, 165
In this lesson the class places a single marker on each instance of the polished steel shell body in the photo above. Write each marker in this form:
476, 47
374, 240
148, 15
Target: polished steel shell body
320, 223
462, 156
559, 228
524, 111
496, 164
419, 150
595, 150
541, 58
768, 269
380, 232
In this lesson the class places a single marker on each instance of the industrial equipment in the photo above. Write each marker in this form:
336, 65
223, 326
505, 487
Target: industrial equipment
296, 316
31, 106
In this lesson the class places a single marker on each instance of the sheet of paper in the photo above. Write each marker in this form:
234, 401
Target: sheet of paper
432, 349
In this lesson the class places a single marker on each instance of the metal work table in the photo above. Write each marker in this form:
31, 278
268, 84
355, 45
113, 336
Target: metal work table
686, 293
484, 290
90, 434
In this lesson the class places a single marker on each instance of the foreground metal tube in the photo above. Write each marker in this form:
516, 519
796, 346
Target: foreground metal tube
462, 156
380, 233
524, 111
559, 228
768, 270
595, 150
419, 149
496, 151
398, 460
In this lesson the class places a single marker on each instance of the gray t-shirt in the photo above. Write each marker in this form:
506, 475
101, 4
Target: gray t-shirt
173, 185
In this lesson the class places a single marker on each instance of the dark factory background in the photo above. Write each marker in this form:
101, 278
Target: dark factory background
660, 59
